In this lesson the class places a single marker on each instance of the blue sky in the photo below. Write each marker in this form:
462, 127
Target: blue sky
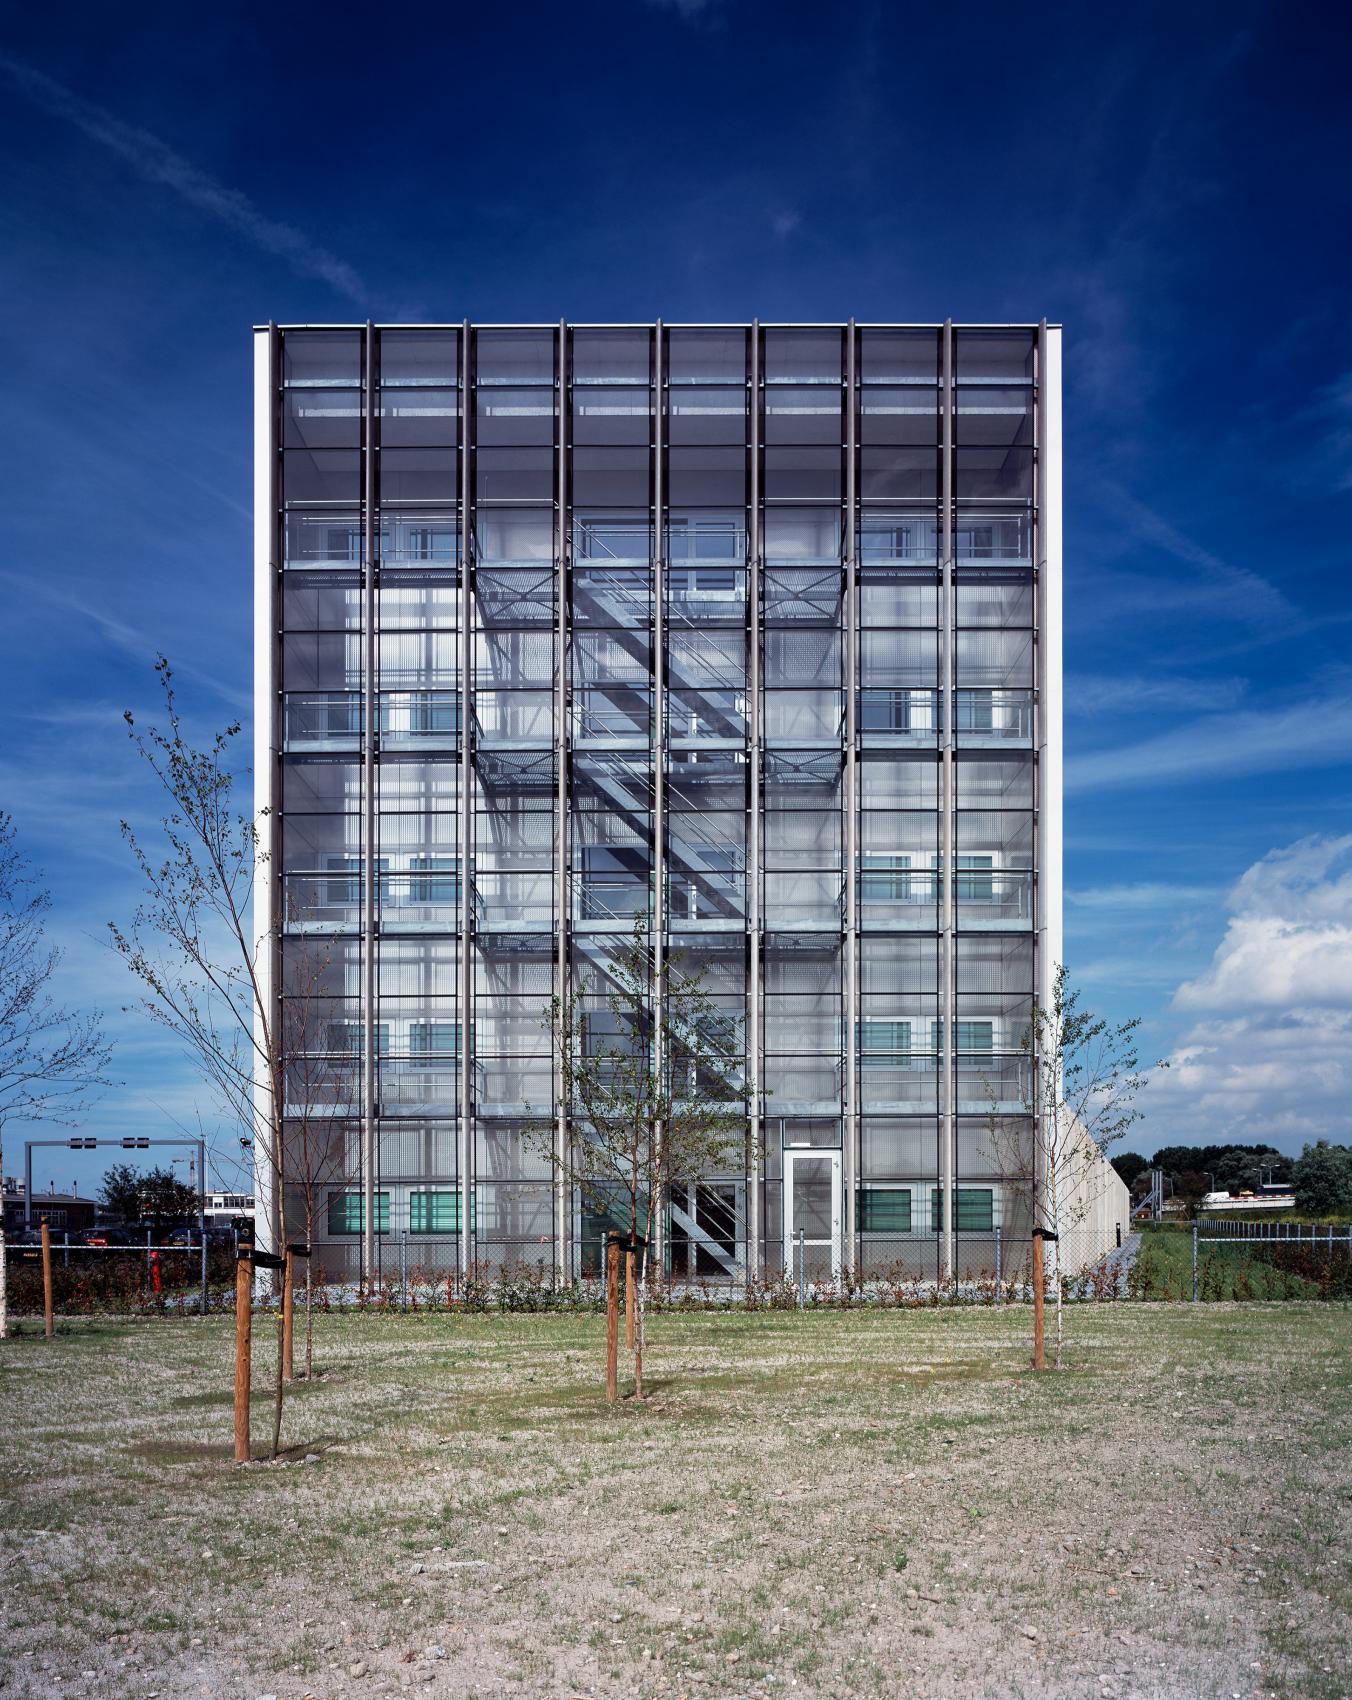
1169, 182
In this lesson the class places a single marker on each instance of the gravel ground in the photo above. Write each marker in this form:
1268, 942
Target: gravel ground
862, 1503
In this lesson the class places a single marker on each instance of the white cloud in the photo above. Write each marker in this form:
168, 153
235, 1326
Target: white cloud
1242, 593
1332, 410
1289, 940
1159, 895
1313, 733
1268, 1054
1103, 693
157, 162
131, 640
1281, 1079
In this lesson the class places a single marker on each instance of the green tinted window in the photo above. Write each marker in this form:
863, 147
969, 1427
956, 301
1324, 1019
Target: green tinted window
345, 1212
436, 1212
884, 1210
973, 1210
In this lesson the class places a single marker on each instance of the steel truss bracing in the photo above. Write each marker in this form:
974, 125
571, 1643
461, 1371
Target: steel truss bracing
750, 631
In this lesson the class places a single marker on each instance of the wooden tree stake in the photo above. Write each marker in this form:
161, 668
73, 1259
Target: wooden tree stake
1039, 1306
612, 1317
288, 1318
243, 1355
49, 1320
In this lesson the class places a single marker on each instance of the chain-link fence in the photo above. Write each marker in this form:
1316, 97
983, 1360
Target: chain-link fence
1207, 1260
1238, 1260
706, 1263
150, 1275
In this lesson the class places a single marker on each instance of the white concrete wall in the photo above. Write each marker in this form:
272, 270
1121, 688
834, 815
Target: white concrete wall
1097, 1203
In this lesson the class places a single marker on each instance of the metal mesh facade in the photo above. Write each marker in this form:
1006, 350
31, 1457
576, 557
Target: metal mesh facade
751, 632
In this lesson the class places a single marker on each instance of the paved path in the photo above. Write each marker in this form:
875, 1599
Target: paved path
1120, 1260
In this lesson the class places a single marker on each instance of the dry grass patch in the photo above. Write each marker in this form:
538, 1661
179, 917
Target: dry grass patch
852, 1503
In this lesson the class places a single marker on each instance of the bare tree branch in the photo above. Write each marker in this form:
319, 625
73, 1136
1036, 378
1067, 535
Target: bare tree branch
53, 1060
192, 946
654, 1087
1085, 1076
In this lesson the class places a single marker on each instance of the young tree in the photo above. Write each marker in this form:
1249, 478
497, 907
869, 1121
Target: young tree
1085, 1075
155, 1194
120, 1191
53, 1060
323, 1088
1323, 1179
198, 949
652, 1077
1130, 1165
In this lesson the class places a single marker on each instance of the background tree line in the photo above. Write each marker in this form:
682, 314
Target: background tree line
1321, 1177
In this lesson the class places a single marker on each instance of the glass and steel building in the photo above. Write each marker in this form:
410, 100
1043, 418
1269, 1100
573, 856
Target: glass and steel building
750, 631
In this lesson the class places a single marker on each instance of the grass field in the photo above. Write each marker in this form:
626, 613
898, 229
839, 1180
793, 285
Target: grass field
867, 1503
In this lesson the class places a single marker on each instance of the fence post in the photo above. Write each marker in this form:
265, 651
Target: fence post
149, 1233
1194, 1263
403, 1263
204, 1272
999, 1270
802, 1272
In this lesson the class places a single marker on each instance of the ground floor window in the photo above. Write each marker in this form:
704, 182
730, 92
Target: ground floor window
973, 1210
437, 1211
884, 1210
346, 1212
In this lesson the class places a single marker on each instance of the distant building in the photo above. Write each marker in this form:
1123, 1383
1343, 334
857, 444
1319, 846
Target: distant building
750, 633
66, 1212
224, 1207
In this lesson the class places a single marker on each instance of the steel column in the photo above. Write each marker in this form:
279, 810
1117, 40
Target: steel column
659, 675
756, 1202
851, 1046
947, 954
1046, 556
562, 1261
370, 849
465, 1120
268, 918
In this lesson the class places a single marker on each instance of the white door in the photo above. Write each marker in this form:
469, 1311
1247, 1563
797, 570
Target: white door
812, 1207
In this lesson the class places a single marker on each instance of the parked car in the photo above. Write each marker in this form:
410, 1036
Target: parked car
193, 1236
24, 1245
106, 1234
